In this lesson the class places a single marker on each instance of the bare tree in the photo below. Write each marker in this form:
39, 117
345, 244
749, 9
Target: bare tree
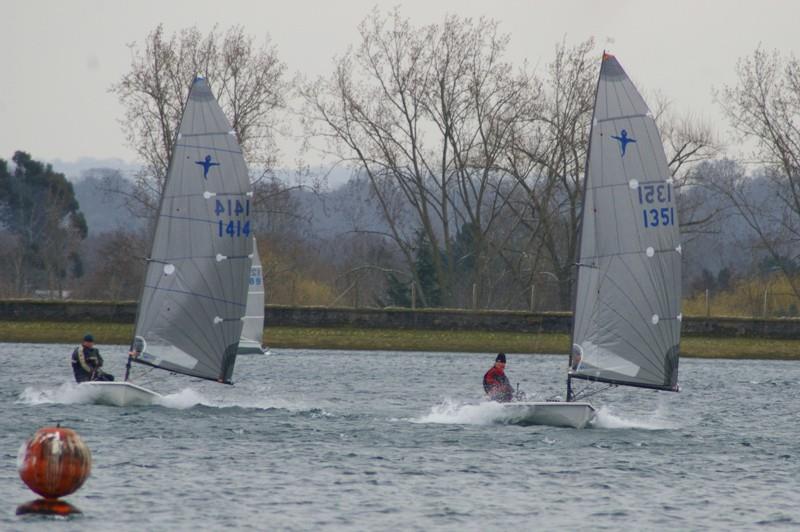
248, 80
752, 199
764, 108
425, 114
549, 162
114, 271
688, 142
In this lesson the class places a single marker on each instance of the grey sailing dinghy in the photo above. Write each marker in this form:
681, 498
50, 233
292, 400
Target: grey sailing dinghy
189, 319
627, 319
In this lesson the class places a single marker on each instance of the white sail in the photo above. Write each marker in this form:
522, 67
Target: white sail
627, 306
253, 329
190, 315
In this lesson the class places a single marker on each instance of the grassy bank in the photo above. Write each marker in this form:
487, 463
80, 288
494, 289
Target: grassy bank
403, 340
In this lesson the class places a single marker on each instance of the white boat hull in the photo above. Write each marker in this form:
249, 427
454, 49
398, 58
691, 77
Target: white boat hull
247, 347
120, 393
555, 414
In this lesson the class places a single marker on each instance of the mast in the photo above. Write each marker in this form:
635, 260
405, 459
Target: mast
580, 238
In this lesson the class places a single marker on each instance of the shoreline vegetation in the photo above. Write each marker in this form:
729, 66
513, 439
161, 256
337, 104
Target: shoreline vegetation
404, 340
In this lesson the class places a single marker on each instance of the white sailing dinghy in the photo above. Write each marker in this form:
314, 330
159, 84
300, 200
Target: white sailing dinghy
189, 318
253, 329
627, 320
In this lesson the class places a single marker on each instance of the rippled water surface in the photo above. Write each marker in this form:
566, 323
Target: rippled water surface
311, 440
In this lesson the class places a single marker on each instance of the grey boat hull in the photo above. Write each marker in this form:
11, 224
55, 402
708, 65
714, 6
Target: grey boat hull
556, 414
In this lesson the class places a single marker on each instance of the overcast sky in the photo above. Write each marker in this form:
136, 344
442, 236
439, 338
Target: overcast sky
59, 57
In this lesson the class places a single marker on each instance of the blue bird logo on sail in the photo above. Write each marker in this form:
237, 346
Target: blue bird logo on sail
624, 140
206, 164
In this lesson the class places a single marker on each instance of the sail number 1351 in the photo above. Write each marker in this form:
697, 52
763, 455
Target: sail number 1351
236, 213
650, 196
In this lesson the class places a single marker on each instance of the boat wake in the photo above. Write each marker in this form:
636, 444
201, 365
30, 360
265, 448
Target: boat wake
189, 398
461, 413
71, 393
605, 419
66, 394
184, 399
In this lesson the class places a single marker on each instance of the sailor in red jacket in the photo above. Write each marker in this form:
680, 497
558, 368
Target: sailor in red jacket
495, 382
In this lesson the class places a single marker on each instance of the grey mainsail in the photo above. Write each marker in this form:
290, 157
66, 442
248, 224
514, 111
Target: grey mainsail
253, 329
627, 306
190, 314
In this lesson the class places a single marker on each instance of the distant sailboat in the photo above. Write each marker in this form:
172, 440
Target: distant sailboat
189, 318
627, 320
253, 329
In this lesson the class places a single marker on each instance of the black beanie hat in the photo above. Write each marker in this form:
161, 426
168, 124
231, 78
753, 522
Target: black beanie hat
88, 338
501, 357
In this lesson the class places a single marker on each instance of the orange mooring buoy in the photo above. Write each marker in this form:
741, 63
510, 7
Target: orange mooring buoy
55, 462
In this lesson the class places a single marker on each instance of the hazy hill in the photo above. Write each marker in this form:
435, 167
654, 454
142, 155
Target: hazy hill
104, 210
340, 210
75, 170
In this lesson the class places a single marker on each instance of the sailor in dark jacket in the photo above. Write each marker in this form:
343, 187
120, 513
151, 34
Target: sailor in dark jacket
87, 364
495, 382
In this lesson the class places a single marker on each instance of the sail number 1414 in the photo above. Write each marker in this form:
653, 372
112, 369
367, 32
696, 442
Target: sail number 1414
237, 213
651, 196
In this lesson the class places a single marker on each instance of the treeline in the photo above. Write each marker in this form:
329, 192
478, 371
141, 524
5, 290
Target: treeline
466, 170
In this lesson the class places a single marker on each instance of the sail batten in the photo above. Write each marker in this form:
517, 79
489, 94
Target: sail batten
209, 148
195, 294
190, 313
623, 382
627, 310
620, 117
